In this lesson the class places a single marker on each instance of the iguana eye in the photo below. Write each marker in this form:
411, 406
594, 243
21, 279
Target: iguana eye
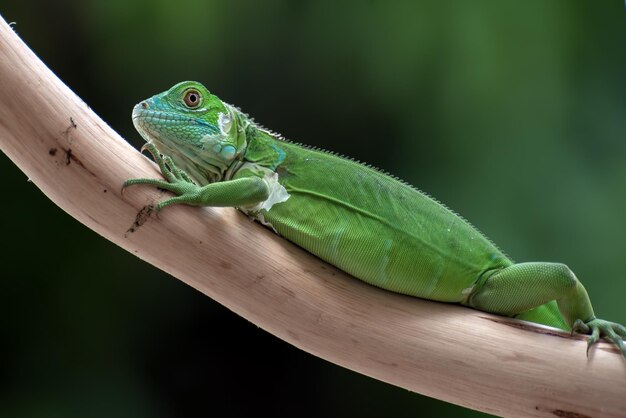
192, 99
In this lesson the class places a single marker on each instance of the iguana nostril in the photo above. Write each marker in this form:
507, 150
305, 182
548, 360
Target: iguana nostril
144, 105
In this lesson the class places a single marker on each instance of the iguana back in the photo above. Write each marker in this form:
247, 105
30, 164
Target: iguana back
371, 224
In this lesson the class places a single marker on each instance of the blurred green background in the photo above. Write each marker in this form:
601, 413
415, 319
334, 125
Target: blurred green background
513, 113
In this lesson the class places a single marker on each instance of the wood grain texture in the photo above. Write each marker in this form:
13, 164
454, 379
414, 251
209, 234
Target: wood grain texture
459, 355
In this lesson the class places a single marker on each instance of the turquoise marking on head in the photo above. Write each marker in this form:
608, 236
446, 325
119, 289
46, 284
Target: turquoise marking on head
192, 126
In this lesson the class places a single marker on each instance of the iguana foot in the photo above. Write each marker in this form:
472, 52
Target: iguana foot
600, 328
176, 181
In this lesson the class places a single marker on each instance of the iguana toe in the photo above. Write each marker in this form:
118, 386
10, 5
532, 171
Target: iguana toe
599, 328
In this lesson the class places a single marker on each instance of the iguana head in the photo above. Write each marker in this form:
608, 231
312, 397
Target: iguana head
202, 134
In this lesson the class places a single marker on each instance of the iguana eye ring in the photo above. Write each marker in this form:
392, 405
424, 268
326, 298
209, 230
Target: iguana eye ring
192, 98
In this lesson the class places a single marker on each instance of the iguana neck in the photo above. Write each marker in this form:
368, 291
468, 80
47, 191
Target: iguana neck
264, 147
215, 170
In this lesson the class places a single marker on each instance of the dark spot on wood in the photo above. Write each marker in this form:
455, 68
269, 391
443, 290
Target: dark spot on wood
52, 151
256, 279
71, 157
569, 414
141, 218
225, 265
383, 362
68, 152
290, 293
69, 128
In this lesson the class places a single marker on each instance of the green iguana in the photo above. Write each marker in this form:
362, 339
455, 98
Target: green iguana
360, 219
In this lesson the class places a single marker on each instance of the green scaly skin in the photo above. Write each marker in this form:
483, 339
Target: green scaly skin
367, 223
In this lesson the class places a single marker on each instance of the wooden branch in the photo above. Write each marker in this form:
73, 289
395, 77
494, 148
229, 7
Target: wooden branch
459, 355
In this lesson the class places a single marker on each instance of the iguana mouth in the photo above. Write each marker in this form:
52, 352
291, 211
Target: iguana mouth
147, 115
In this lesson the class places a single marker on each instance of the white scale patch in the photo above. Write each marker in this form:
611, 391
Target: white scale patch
261, 219
466, 293
277, 194
224, 122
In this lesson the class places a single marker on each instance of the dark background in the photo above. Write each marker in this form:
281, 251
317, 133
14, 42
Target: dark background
513, 113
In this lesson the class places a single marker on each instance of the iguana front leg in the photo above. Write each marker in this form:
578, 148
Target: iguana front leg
520, 287
243, 191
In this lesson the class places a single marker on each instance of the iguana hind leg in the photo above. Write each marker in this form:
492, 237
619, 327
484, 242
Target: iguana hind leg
521, 287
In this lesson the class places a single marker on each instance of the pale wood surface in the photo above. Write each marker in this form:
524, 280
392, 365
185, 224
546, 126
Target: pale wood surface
444, 351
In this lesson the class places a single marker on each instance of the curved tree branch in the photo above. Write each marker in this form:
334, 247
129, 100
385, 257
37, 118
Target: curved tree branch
456, 354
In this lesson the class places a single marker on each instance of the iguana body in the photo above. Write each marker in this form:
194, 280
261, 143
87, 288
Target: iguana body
369, 224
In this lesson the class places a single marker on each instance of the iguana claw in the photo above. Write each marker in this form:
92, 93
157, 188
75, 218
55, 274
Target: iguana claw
601, 328
176, 180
